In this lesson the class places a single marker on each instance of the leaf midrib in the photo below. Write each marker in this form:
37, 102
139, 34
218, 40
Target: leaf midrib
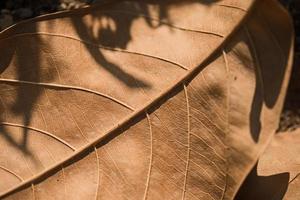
184, 79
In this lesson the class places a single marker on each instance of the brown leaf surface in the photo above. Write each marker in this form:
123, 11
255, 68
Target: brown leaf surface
141, 99
277, 174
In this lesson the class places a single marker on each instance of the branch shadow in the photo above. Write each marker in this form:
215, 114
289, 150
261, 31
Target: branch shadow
30, 69
119, 35
26, 95
114, 39
271, 70
258, 187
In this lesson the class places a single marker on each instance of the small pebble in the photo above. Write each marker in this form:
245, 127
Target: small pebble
23, 13
63, 6
6, 21
5, 12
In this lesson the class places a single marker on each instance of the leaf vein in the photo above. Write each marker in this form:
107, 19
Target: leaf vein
189, 143
4, 80
151, 157
98, 46
40, 131
11, 172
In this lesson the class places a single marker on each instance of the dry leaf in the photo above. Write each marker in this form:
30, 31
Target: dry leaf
276, 175
141, 99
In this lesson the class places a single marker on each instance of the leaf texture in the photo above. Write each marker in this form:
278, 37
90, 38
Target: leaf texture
141, 99
276, 175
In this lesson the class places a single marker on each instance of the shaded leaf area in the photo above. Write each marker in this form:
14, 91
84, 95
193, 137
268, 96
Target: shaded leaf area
263, 187
141, 99
104, 36
13, 11
276, 176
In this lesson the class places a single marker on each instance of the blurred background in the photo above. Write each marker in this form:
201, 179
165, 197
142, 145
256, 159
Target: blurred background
13, 11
